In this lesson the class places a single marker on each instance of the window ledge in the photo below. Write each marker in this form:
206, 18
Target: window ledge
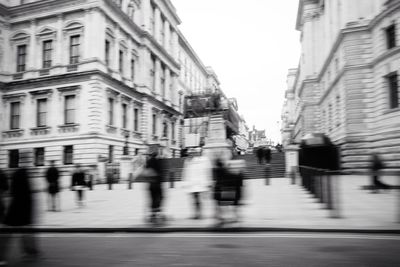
392, 110
111, 129
67, 128
137, 134
13, 133
125, 132
41, 130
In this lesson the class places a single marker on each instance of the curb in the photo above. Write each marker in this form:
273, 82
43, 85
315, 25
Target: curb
196, 230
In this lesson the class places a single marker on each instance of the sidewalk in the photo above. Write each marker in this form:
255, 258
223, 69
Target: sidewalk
278, 206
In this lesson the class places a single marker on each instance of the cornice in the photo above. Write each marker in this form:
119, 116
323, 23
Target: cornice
161, 49
4, 11
44, 6
391, 7
171, 9
188, 48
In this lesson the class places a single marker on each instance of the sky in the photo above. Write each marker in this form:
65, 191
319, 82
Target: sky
250, 45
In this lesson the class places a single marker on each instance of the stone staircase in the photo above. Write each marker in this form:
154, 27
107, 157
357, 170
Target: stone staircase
254, 170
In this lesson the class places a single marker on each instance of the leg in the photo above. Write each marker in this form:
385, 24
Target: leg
197, 205
4, 244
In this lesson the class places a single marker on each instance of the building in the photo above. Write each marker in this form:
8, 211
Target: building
347, 84
81, 78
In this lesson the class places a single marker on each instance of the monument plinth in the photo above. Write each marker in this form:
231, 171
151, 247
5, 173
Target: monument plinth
216, 145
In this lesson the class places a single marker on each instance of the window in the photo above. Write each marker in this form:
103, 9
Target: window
391, 36
393, 90
110, 111
330, 117
154, 126
132, 70
21, 58
13, 158
165, 129
124, 116
15, 115
107, 53
41, 112
136, 119
74, 48
110, 153
338, 111
68, 155
39, 156
162, 80
173, 130
47, 53
152, 72
121, 62
69, 109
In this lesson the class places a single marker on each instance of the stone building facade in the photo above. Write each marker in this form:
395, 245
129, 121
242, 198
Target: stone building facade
81, 78
347, 84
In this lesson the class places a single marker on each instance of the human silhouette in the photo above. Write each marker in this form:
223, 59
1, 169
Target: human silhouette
78, 184
52, 176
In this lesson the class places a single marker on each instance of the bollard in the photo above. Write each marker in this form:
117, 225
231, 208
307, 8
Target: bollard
130, 180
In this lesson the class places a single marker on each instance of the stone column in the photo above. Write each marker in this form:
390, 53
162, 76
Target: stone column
157, 24
167, 89
32, 53
59, 59
115, 48
157, 84
166, 35
174, 48
291, 159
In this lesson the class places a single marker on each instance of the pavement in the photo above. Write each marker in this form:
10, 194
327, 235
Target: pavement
279, 206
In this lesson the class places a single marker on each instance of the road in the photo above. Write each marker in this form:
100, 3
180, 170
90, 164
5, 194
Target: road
179, 249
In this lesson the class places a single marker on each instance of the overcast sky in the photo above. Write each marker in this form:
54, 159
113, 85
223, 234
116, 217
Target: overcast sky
250, 45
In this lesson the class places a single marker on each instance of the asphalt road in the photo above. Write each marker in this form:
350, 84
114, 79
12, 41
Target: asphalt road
259, 249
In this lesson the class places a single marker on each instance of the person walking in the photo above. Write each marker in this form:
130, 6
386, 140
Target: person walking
260, 155
197, 178
153, 172
52, 176
376, 166
20, 212
3, 239
78, 184
267, 155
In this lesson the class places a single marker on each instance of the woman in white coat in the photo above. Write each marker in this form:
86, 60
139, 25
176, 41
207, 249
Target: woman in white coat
197, 177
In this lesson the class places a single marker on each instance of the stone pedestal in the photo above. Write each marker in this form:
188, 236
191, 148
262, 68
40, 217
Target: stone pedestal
125, 167
291, 159
216, 145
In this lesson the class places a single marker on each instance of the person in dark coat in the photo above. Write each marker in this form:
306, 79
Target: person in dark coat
155, 178
376, 166
260, 155
221, 176
3, 190
78, 184
52, 177
267, 154
20, 212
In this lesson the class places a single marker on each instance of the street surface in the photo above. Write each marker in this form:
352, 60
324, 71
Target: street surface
261, 249
279, 204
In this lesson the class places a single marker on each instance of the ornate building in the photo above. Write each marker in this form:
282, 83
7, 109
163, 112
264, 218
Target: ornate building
347, 84
81, 78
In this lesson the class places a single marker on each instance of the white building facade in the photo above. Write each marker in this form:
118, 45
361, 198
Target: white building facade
347, 84
80, 79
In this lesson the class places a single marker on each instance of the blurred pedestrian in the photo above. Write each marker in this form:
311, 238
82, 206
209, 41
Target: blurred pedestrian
153, 173
20, 212
52, 176
260, 155
376, 166
3, 238
197, 177
220, 175
267, 154
78, 184
236, 168
3, 190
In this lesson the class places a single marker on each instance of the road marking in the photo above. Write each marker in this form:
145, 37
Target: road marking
227, 235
